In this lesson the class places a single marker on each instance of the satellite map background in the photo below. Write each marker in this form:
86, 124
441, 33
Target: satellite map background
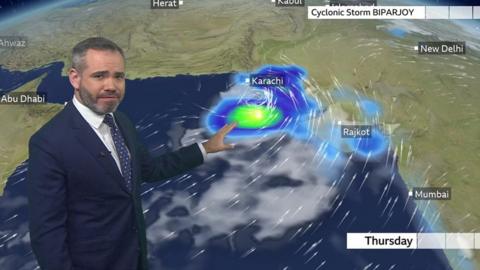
273, 202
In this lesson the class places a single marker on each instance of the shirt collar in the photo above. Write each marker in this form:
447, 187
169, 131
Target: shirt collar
90, 116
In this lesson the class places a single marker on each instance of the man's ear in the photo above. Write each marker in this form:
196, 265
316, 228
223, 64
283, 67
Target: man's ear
74, 77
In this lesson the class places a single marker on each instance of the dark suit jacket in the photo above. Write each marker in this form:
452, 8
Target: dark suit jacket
82, 216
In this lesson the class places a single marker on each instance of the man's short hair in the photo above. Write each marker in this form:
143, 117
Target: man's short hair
95, 43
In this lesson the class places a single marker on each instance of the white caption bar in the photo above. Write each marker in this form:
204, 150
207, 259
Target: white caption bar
476, 12
393, 12
413, 240
381, 240
366, 12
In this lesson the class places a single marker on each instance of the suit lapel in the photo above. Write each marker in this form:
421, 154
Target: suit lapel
90, 141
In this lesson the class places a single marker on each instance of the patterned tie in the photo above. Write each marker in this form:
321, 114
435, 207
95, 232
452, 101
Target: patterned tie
122, 150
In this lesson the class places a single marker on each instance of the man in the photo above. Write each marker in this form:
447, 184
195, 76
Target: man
85, 170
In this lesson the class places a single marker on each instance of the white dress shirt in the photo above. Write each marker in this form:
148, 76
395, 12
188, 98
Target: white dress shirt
103, 130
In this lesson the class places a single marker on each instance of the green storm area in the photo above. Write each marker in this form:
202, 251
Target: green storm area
255, 116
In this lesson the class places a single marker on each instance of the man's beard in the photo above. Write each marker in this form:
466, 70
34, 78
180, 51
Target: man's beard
90, 102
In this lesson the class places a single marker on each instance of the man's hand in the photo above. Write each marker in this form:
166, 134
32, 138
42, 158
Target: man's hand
215, 143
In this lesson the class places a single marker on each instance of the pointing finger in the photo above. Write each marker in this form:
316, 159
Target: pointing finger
227, 128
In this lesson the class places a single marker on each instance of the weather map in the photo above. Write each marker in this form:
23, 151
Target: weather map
275, 101
357, 139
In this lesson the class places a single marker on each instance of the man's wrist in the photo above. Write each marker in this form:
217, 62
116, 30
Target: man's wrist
203, 150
